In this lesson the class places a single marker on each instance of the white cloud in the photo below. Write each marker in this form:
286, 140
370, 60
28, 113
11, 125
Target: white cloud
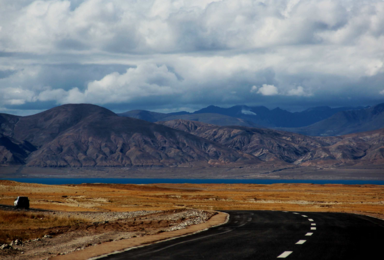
16, 96
147, 80
382, 92
299, 91
254, 89
51, 94
265, 90
163, 26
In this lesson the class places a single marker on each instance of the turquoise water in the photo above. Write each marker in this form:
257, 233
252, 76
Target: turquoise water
56, 181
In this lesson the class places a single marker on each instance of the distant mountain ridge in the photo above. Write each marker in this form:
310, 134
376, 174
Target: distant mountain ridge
85, 135
346, 122
258, 116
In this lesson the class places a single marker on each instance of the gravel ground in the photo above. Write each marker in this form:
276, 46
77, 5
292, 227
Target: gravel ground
102, 227
103, 216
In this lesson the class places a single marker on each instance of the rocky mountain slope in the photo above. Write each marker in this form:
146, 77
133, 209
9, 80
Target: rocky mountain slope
86, 135
271, 145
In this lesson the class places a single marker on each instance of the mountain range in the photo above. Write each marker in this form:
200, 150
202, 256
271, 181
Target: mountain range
88, 135
346, 122
318, 121
277, 146
84, 135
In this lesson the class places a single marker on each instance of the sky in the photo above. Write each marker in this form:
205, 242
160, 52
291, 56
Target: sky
169, 56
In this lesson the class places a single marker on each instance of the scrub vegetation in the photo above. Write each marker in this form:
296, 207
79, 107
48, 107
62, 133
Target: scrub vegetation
26, 225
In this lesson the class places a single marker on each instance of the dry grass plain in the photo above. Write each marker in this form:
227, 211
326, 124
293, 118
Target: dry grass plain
364, 199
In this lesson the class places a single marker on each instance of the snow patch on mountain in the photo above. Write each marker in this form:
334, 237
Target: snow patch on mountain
247, 112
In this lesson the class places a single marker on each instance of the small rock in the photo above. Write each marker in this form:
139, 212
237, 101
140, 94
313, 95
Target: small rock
47, 236
5, 246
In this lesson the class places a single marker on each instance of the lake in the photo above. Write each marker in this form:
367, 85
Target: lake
57, 181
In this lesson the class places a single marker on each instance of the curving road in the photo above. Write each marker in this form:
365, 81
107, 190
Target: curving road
275, 235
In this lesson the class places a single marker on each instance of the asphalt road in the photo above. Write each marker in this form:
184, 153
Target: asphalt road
275, 235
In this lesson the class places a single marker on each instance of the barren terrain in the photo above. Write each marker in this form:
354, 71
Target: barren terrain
91, 214
85, 135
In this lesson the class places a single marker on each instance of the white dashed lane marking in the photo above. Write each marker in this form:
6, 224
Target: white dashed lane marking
285, 254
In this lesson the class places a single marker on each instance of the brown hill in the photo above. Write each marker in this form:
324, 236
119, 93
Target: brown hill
267, 145
13, 152
46, 126
88, 135
7, 123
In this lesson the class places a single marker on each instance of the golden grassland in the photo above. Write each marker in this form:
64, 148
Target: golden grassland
21, 220
367, 199
23, 225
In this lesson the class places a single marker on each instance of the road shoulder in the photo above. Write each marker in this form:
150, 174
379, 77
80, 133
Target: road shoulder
128, 244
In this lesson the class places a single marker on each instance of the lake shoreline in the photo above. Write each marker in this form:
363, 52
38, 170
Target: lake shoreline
240, 173
75, 181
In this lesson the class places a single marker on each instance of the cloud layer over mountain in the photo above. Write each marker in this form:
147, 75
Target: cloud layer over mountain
187, 54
